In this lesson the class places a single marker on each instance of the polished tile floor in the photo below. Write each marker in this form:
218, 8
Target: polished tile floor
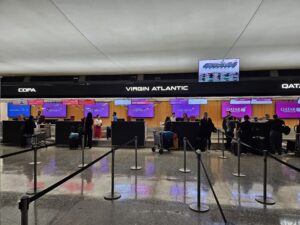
157, 194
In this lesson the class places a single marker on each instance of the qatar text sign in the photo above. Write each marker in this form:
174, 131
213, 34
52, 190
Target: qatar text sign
220, 70
288, 109
236, 110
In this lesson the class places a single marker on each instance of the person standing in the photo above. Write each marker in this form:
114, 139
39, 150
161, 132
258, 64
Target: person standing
206, 127
276, 134
40, 118
245, 133
173, 117
88, 130
167, 124
231, 125
29, 130
97, 127
225, 128
115, 117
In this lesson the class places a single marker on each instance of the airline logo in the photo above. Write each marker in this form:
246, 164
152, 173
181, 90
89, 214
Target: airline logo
156, 88
290, 86
26, 90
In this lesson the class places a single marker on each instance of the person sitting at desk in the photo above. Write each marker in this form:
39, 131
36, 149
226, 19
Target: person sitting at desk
21, 117
115, 117
40, 118
185, 117
173, 117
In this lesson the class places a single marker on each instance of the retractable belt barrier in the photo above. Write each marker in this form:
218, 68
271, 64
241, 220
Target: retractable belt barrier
198, 206
25, 200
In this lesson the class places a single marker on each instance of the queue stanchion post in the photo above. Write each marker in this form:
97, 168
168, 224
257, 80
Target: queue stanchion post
82, 153
239, 174
35, 189
34, 146
112, 195
24, 207
198, 206
136, 167
223, 138
223, 151
218, 132
264, 199
184, 169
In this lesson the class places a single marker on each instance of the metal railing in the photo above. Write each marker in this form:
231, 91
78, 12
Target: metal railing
26, 199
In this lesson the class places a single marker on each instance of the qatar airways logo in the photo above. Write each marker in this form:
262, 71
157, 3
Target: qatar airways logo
236, 109
290, 109
26, 90
290, 86
156, 88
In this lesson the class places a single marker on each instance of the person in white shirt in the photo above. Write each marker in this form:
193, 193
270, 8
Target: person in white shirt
173, 117
97, 127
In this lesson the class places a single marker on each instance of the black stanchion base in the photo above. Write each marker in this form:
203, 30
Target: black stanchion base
267, 201
81, 165
32, 163
112, 196
196, 208
238, 175
135, 168
185, 170
229, 223
32, 192
222, 157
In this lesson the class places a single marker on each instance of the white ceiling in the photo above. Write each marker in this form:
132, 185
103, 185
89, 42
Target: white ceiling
44, 37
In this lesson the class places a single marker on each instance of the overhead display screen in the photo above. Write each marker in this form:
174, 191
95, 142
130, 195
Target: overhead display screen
99, 108
53, 110
238, 111
198, 101
242, 101
190, 110
220, 70
288, 109
261, 101
14, 111
141, 110
122, 102
178, 101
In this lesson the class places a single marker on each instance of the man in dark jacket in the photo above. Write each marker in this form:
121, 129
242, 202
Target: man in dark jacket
276, 134
224, 126
29, 129
206, 127
245, 131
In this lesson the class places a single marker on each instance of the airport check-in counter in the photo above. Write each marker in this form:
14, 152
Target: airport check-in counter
12, 132
123, 131
190, 130
62, 131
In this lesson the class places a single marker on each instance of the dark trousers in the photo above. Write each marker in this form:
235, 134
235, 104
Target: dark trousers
229, 135
88, 138
276, 141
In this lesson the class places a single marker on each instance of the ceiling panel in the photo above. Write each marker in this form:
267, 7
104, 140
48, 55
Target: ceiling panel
44, 37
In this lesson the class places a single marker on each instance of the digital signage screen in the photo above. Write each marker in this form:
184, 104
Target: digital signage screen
122, 102
240, 101
287, 109
197, 101
141, 111
53, 110
99, 108
190, 110
14, 111
261, 101
178, 101
238, 111
219, 70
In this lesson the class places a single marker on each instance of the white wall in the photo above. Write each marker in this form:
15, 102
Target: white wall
3, 111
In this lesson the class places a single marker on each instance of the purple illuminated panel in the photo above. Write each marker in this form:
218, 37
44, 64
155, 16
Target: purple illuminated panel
288, 109
99, 108
141, 111
236, 110
53, 110
190, 110
178, 101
